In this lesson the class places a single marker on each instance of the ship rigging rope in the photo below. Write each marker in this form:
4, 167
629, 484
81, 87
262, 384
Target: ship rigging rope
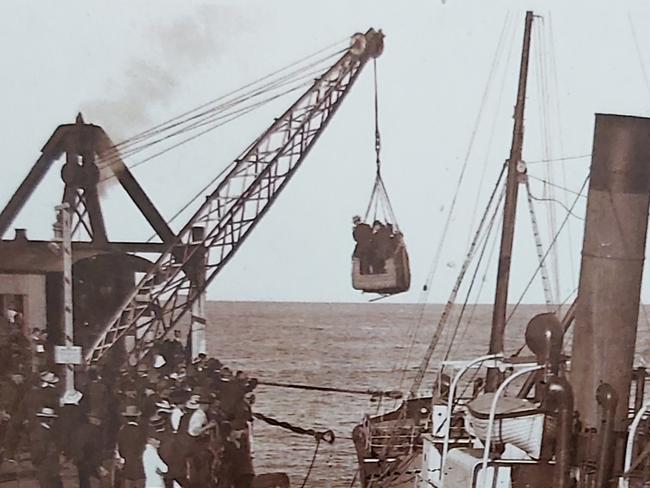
555, 238
644, 72
214, 115
546, 135
476, 301
559, 159
568, 190
489, 159
548, 292
414, 332
559, 202
330, 389
452, 298
479, 261
558, 114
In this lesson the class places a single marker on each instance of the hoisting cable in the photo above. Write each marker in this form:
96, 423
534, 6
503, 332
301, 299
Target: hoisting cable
379, 196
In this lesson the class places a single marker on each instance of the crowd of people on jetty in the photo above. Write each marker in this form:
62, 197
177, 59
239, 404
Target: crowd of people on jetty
172, 423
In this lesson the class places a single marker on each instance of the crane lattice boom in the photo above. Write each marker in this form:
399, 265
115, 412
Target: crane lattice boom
166, 293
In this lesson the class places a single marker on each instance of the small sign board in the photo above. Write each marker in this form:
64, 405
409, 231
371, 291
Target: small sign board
67, 354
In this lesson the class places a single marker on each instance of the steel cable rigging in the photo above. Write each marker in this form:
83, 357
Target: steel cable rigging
217, 112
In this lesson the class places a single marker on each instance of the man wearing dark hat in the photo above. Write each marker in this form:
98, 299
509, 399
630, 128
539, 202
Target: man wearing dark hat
380, 244
362, 234
149, 399
87, 452
96, 394
44, 450
131, 440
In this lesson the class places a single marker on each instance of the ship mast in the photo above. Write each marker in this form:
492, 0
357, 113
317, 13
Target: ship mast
514, 177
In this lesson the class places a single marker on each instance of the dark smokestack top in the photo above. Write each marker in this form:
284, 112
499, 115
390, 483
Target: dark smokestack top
620, 162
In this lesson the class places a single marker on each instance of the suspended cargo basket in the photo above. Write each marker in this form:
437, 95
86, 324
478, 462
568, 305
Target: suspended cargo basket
380, 263
395, 277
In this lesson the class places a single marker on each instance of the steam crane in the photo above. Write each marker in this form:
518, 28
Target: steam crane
192, 259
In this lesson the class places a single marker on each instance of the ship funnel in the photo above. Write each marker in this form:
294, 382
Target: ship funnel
612, 265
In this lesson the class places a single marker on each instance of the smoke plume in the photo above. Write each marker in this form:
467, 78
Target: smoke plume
150, 82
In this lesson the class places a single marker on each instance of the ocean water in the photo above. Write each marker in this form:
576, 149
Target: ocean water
360, 346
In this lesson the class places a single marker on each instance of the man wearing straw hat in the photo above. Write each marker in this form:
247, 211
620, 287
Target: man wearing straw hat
131, 440
44, 450
199, 456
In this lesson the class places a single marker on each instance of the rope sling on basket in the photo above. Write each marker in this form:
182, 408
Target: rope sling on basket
380, 263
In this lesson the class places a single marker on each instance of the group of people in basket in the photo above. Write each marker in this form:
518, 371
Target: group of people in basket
374, 245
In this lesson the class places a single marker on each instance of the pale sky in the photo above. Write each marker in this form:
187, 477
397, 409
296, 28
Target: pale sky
129, 65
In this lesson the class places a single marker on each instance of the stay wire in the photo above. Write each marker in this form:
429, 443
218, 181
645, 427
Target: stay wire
286, 79
452, 297
231, 93
210, 128
555, 200
493, 248
494, 124
546, 133
530, 281
555, 185
560, 159
116, 155
560, 132
470, 288
644, 72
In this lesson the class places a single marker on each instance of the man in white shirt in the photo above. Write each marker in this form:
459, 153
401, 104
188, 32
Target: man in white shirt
154, 467
198, 453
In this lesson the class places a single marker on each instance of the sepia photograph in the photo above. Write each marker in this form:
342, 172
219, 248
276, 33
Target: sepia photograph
305, 244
